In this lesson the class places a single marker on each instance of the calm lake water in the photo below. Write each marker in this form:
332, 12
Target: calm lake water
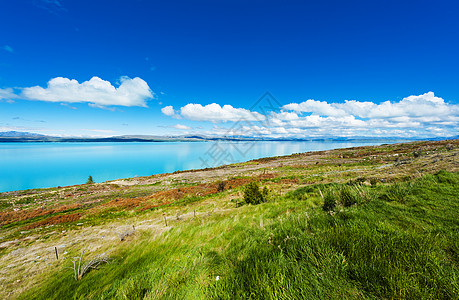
40, 165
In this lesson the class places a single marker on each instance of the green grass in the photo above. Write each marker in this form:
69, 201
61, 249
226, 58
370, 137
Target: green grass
389, 241
377, 250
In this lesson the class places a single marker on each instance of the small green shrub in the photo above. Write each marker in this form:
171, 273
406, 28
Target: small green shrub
90, 180
220, 186
252, 194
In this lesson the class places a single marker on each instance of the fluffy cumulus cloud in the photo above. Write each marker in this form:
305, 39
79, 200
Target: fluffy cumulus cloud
318, 107
413, 115
214, 113
98, 92
425, 105
169, 111
423, 115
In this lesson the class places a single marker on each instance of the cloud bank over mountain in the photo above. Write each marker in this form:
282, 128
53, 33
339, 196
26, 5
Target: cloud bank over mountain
422, 115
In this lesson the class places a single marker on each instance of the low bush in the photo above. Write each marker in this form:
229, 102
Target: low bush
252, 194
220, 186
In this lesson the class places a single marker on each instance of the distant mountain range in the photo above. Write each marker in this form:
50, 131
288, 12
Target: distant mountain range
21, 137
17, 134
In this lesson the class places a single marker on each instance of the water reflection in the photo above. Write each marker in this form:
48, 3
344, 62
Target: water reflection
38, 165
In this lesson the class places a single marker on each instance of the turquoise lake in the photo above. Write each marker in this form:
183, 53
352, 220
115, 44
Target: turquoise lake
41, 165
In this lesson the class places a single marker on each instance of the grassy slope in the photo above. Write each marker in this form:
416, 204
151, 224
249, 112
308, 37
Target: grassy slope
379, 249
400, 240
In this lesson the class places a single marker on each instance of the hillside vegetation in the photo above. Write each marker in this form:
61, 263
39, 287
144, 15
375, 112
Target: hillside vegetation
365, 222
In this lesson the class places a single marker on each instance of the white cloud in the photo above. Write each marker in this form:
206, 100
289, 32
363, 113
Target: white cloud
413, 106
285, 116
321, 108
424, 105
69, 106
422, 116
216, 113
169, 111
408, 117
356, 108
7, 94
182, 127
8, 48
98, 92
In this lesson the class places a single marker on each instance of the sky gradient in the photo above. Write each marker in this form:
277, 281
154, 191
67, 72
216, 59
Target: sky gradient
335, 68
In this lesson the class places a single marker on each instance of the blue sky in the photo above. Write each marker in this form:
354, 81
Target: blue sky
341, 68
